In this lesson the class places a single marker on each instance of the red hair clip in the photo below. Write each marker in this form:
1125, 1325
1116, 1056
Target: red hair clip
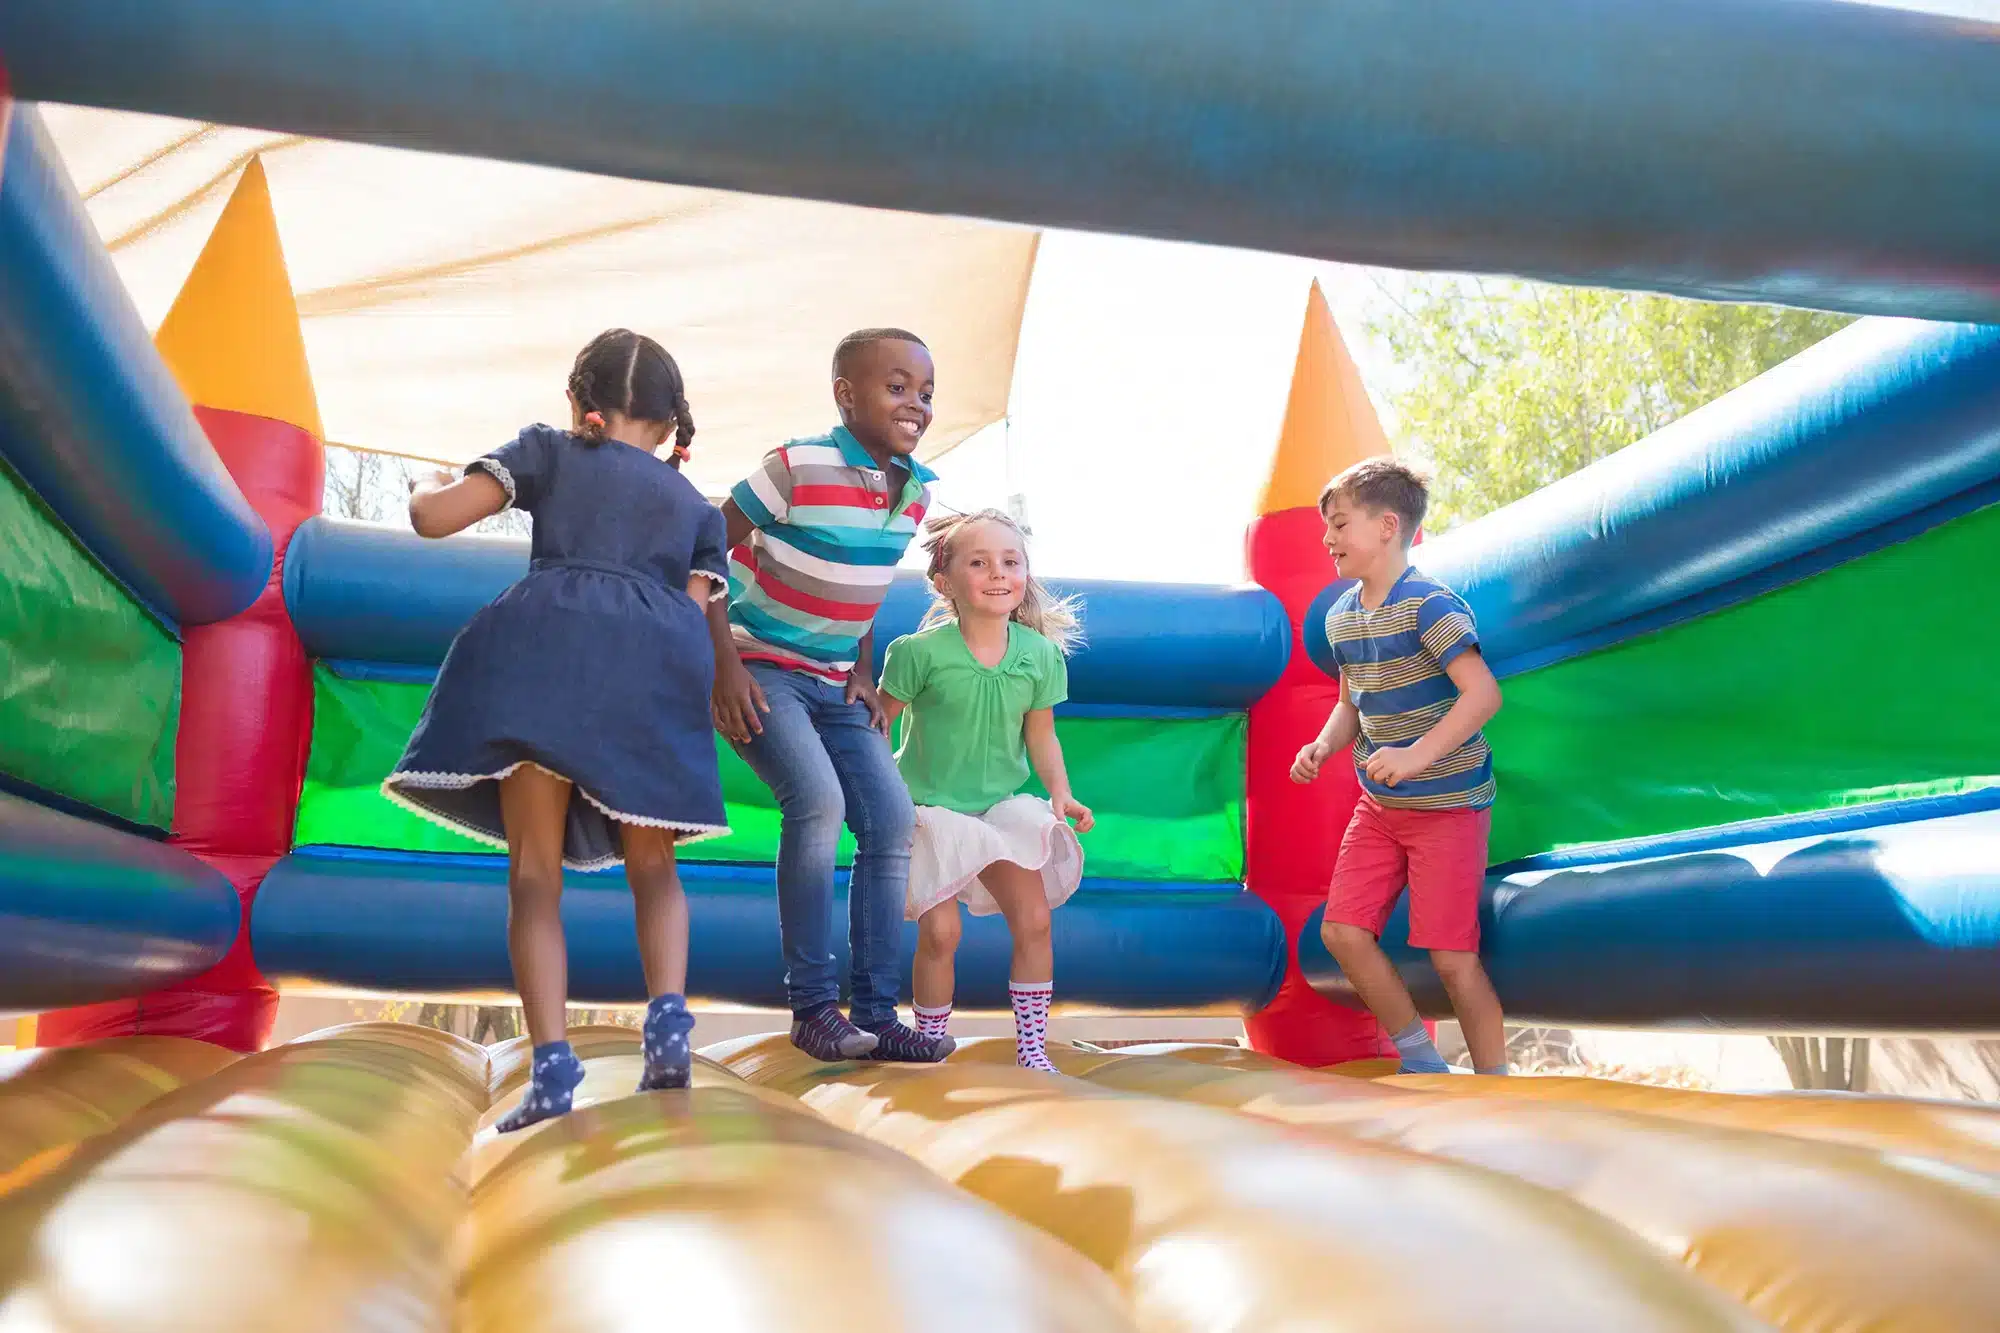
594, 419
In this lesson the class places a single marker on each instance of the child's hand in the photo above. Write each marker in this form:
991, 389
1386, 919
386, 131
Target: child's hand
438, 479
1068, 807
861, 690
1392, 765
1306, 767
736, 702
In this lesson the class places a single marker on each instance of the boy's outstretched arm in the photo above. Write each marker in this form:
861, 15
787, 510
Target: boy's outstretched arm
1478, 701
1343, 724
737, 699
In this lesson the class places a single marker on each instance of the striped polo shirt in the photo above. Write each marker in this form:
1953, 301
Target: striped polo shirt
1392, 660
829, 528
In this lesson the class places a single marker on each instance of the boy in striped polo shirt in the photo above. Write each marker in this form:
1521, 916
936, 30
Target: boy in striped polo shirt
1414, 693
814, 535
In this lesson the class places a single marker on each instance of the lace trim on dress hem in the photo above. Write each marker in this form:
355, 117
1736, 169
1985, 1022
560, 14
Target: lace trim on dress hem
440, 781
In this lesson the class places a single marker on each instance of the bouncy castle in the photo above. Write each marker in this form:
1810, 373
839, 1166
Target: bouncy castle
1724, 805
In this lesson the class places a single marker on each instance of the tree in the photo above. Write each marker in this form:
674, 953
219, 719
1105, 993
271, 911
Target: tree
1508, 386
376, 487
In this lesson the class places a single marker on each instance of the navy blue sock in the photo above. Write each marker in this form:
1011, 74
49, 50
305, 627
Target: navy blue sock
669, 1056
552, 1080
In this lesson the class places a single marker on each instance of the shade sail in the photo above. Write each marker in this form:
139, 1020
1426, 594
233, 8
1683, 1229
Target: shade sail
443, 298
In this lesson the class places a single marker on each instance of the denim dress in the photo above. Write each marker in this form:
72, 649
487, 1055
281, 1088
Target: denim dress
596, 666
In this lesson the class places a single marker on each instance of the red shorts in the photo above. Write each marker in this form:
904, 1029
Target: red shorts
1440, 854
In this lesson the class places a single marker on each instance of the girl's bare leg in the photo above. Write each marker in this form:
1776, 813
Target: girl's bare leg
933, 977
533, 806
660, 906
1030, 986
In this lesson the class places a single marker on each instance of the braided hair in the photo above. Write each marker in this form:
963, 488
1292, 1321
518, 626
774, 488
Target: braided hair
623, 371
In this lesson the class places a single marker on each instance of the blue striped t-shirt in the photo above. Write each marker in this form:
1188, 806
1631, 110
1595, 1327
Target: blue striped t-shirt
1392, 660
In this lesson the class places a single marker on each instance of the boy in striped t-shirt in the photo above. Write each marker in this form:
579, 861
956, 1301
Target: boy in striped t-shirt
814, 535
1414, 693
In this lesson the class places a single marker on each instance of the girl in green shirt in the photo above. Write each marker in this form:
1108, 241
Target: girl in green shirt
980, 681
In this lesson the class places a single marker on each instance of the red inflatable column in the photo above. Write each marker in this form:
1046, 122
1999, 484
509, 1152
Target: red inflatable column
233, 341
1292, 832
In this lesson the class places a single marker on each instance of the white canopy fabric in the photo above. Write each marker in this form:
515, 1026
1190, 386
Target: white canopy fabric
443, 298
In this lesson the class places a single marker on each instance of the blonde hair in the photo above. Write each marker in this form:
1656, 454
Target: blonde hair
1056, 619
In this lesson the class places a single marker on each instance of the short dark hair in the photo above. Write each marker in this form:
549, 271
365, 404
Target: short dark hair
623, 371
1383, 484
851, 345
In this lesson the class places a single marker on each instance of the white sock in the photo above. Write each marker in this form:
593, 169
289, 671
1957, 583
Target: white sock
1031, 1023
932, 1022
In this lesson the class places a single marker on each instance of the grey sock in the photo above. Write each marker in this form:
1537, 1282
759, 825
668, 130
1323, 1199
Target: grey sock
1413, 1043
1497, 1071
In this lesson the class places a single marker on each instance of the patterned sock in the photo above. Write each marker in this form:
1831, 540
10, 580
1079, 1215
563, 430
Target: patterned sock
1031, 1023
932, 1022
669, 1057
552, 1080
897, 1041
1413, 1043
1497, 1071
824, 1033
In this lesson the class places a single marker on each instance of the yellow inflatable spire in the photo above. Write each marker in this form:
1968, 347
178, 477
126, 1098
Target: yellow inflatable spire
232, 337
1329, 421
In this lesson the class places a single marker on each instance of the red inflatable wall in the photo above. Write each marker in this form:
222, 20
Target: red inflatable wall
246, 724
1292, 832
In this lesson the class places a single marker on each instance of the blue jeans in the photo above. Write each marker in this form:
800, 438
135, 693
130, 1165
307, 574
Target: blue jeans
827, 766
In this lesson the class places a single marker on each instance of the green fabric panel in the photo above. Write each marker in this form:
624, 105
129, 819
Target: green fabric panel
1781, 705
1168, 795
90, 684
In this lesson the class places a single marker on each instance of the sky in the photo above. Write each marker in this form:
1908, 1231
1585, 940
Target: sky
1148, 394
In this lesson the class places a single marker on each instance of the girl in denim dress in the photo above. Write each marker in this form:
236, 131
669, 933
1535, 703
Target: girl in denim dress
570, 720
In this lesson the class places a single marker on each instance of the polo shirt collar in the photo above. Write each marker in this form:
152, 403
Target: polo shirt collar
852, 453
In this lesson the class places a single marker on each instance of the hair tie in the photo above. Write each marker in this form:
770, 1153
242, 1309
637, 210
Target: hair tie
594, 419
681, 452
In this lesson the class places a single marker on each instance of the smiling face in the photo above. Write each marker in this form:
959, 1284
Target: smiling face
884, 393
987, 572
1361, 540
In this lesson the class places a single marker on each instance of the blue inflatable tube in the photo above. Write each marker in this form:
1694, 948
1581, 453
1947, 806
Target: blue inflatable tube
91, 418
1620, 145
89, 914
1891, 929
345, 919
1885, 429
370, 595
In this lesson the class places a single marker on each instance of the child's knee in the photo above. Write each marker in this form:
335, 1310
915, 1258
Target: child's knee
649, 855
886, 820
1455, 965
534, 881
1341, 938
816, 808
938, 930
1031, 921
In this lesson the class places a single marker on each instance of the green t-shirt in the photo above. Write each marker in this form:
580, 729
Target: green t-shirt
963, 747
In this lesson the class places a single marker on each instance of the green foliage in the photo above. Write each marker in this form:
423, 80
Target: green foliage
1513, 385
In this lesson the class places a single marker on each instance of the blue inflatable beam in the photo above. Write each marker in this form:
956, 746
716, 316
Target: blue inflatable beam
1811, 154
1895, 928
1883, 430
89, 914
91, 418
372, 595
437, 925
